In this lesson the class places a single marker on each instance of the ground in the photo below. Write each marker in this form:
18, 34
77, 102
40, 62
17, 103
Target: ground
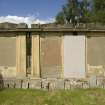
58, 97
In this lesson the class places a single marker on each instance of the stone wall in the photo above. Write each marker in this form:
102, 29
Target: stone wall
53, 46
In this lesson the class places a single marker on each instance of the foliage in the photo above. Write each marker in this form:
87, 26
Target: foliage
74, 11
98, 11
60, 18
82, 11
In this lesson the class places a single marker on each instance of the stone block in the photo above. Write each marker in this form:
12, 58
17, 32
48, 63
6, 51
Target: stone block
79, 85
59, 84
35, 84
45, 84
35, 25
100, 82
11, 83
51, 83
7, 25
95, 70
22, 25
67, 85
6, 83
1, 84
18, 83
93, 82
25, 84
85, 85
67, 25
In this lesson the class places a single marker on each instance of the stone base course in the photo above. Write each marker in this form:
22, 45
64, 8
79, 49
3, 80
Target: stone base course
53, 83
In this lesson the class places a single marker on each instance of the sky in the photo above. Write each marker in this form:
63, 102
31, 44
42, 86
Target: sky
29, 11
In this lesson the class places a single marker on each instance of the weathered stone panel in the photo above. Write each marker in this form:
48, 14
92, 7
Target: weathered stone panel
96, 51
7, 51
50, 56
74, 56
96, 55
8, 72
8, 57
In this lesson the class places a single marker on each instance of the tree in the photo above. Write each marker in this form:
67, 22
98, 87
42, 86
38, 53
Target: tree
60, 18
73, 12
84, 11
69, 13
76, 11
98, 11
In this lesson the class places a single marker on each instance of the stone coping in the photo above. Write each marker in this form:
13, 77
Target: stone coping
40, 29
7, 25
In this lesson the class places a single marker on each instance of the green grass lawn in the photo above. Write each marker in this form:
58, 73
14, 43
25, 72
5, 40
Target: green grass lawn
59, 97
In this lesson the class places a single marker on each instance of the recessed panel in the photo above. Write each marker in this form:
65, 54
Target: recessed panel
50, 56
74, 56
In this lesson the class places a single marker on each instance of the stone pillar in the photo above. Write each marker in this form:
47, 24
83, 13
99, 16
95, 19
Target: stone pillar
62, 55
35, 56
86, 64
21, 56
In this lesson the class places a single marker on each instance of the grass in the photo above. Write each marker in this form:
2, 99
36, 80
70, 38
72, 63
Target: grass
59, 97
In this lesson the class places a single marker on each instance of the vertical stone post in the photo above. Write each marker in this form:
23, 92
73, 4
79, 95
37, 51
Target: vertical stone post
62, 56
35, 56
21, 56
86, 64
